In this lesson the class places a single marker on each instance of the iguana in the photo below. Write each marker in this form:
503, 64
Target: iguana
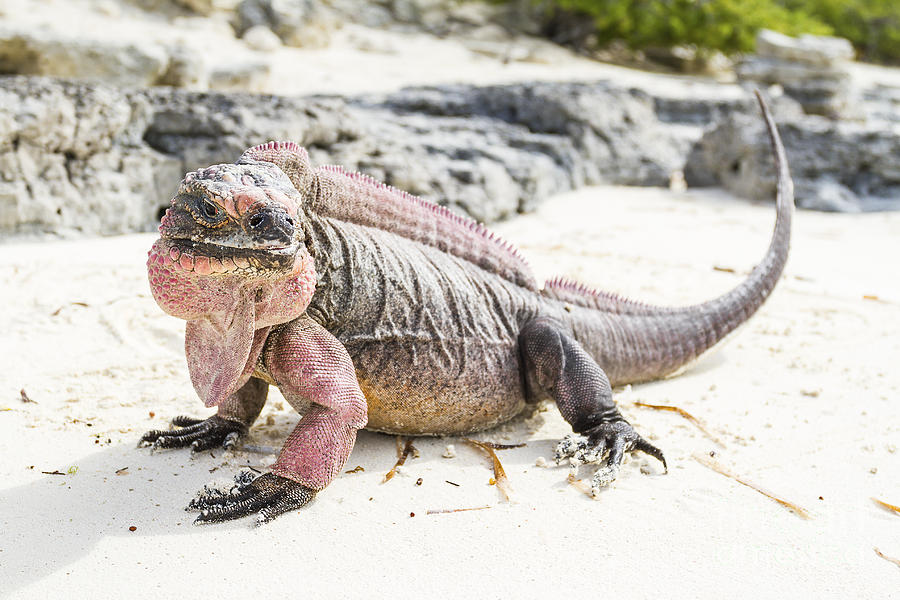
369, 307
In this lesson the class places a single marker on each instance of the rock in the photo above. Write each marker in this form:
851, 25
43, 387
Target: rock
815, 50
76, 161
92, 159
202, 7
688, 59
605, 134
46, 52
836, 166
261, 38
187, 68
302, 23
812, 69
245, 76
97, 160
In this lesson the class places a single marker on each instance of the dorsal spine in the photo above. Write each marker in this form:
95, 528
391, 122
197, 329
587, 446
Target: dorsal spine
359, 199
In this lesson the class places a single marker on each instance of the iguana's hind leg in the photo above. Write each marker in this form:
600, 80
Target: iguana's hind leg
232, 421
557, 366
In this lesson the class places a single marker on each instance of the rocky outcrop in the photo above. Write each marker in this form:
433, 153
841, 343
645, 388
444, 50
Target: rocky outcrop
99, 160
497, 150
91, 159
123, 62
301, 23
813, 70
837, 166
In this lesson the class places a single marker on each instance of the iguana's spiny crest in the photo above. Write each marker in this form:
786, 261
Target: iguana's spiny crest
337, 193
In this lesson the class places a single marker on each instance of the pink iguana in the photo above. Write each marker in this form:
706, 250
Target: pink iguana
371, 308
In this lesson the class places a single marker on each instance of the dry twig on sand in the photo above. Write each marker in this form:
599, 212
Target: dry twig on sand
697, 422
500, 478
403, 452
718, 468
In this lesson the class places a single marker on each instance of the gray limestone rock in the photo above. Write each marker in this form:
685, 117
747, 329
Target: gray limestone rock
811, 69
836, 166
100, 160
304, 23
95, 159
46, 52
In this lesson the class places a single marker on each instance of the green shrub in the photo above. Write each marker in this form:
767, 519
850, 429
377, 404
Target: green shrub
873, 26
726, 25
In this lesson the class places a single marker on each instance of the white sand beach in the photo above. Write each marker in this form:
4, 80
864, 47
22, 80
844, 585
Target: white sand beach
802, 399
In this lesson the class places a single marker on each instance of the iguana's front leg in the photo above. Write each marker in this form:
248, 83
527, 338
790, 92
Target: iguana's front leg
315, 374
557, 366
232, 421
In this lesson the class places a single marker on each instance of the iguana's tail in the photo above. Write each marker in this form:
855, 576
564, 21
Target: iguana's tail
637, 342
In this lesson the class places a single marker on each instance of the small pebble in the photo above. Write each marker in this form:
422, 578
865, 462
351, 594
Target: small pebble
449, 451
540, 462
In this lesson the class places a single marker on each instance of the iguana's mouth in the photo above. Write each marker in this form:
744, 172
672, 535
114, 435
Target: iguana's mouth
205, 258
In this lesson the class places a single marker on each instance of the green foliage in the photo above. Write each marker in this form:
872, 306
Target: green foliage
873, 26
726, 25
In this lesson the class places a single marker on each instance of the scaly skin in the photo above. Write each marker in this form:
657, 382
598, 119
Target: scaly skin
368, 307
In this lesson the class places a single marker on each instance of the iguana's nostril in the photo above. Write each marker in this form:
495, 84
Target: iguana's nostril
272, 225
257, 221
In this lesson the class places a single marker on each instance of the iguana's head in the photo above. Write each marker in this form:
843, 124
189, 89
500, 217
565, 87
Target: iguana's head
231, 230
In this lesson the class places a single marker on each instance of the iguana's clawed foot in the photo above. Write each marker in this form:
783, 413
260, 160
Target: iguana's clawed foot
267, 495
199, 434
613, 438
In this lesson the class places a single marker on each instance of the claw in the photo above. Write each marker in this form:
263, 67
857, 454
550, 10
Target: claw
199, 434
231, 440
648, 448
614, 438
569, 446
603, 477
267, 495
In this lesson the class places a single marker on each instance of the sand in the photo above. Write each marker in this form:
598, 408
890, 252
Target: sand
803, 399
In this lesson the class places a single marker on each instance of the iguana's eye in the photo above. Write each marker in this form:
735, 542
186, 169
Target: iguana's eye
210, 210
207, 213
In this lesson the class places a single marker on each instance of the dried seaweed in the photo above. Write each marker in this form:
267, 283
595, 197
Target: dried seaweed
718, 468
25, 397
403, 452
886, 506
896, 561
357, 469
580, 485
59, 310
444, 511
697, 422
497, 446
500, 478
